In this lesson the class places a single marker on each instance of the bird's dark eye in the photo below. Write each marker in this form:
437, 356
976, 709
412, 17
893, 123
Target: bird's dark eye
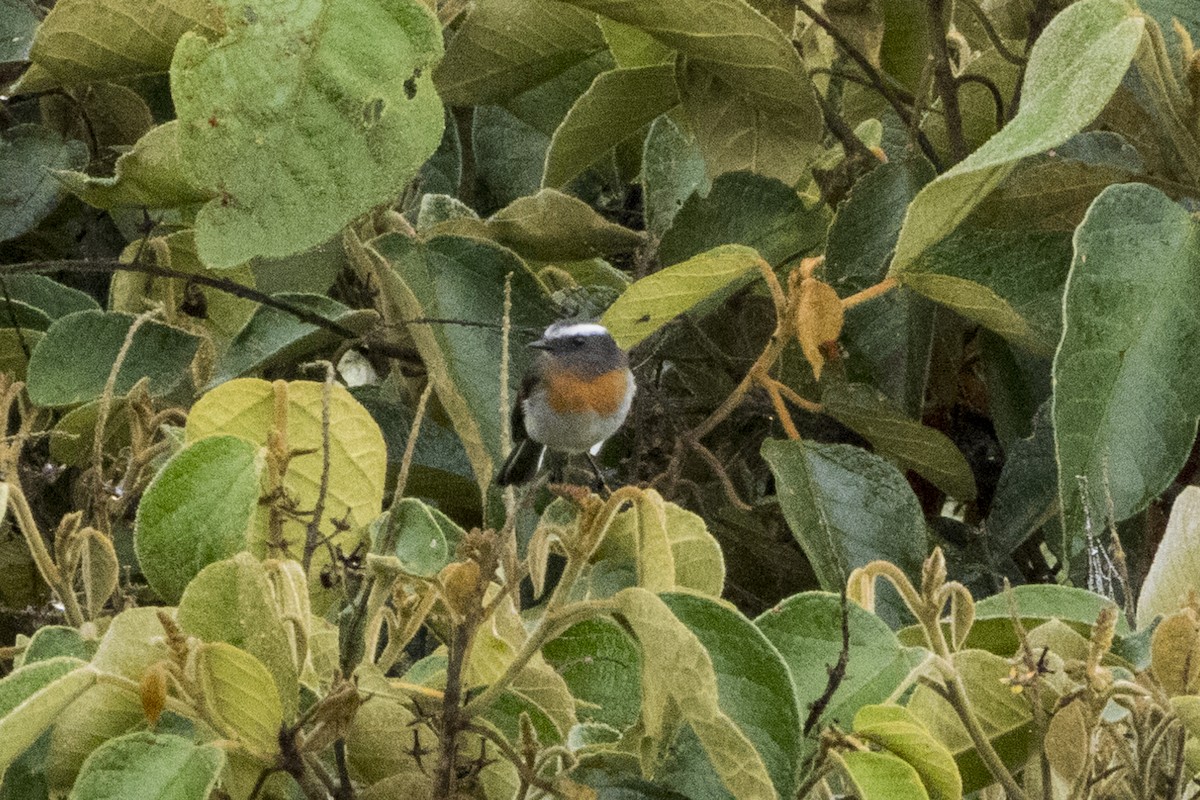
577, 341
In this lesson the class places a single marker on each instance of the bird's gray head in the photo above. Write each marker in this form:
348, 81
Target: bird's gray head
586, 348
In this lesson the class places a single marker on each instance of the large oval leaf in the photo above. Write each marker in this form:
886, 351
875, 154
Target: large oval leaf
1126, 380
196, 511
301, 121
149, 766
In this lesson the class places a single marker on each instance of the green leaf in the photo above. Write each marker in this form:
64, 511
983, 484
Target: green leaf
1004, 715
29, 192
694, 285
807, 630
735, 135
274, 337
600, 663
1006, 280
246, 408
75, 434
462, 278
510, 156
895, 729
863, 233
151, 175
32, 697
746, 209
678, 678
508, 46
753, 684
551, 225
104, 712
926, 451
631, 47
22, 316
423, 538
47, 295
323, 124
1175, 569
17, 26
881, 776
1074, 68
846, 507
1124, 374
13, 343
379, 724
134, 640
52, 641
151, 767
618, 104
672, 170
764, 89
1036, 604
1026, 495
58, 377
232, 601
239, 693
699, 562
197, 511
84, 41
440, 469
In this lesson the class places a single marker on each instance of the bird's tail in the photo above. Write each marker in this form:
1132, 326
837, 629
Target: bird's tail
522, 464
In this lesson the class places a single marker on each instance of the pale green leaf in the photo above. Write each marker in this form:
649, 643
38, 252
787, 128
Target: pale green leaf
240, 695
508, 46
699, 562
694, 285
32, 697
1125, 382
198, 510
324, 124
18, 24
807, 630
881, 776
618, 104
84, 41
600, 663
678, 678
149, 766
551, 225
1175, 569
734, 135
753, 684
151, 175
59, 377
423, 538
1004, 715
632, 47
245, 408
1074, 68
895, 729
232, 601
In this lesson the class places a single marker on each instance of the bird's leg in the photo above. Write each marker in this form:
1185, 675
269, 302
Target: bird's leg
604, 487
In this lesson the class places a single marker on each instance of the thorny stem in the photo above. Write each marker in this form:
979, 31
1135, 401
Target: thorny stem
312, 531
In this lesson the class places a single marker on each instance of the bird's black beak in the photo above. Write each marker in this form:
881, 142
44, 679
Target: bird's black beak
540, 344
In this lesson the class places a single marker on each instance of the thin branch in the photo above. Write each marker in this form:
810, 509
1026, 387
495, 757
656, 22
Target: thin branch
994, 37
944, 81
312, 531
870, 293
988, 84
718, 469
873, 75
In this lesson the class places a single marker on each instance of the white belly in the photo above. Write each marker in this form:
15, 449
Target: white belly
572, 432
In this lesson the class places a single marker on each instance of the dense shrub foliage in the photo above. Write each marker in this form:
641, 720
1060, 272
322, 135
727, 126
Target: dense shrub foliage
903, 508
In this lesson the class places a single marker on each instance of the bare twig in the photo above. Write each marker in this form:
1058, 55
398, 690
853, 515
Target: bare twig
944, 81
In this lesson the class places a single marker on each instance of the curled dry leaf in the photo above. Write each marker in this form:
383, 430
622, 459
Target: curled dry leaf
818, 321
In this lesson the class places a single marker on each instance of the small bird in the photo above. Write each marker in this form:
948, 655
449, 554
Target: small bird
575, 395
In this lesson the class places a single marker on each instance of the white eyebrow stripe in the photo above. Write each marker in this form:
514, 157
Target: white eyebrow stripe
560, 331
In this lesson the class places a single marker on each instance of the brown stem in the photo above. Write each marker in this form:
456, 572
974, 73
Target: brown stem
870, 293
944, 81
